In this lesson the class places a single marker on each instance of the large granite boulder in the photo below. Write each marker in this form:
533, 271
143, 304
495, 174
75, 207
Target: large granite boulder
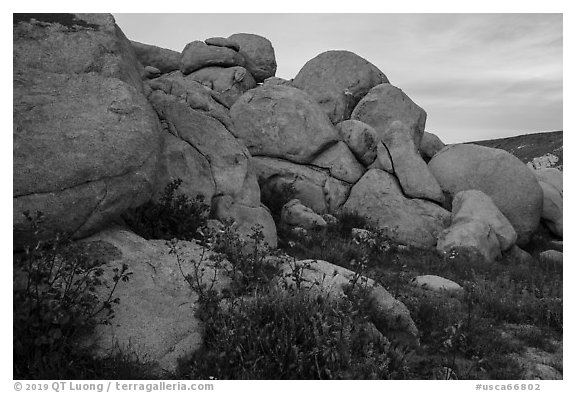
477, 225
475, 205
360, 138
156, 317
283, 122
85, 140
165, 60
230, 82
385, 104
551, 176
378, 197
337, 80
197, 55
258, 54
503, 177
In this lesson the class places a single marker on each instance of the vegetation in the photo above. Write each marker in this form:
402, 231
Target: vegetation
262, 328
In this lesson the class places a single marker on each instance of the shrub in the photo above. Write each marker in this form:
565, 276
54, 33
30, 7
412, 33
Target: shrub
173, 216
276, 197
55, 304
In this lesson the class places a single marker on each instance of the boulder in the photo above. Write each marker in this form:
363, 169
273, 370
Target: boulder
337, 80
165, 60
503, 177
312, 186
475, 205
378, 197
295, 214
470, 235
360, 138
180, 160
385, 104
383, 160
552, 209
197, 55
245, 219
390, 316
340, 162
196, 95
156, 317
410, 169
430, 145
258, 54
551, 256
551, 176
74, 44
282, 122
436, 284
223, 42
85, 140
228, 158
230, 82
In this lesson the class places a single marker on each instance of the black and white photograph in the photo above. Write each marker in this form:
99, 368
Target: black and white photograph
208, 196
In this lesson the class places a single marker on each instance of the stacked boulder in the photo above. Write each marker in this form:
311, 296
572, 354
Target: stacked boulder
550, 180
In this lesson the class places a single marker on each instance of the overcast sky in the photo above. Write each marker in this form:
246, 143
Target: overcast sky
478, 76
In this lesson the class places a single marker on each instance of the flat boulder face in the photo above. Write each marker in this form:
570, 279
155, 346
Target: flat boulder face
411, 170
476, 205
197, 55
378, 197
156, 316
283, 122
86, 142
503, 177
360, 138
552, 176
338, 80
229, 82
165, 60
258, 52
385, 104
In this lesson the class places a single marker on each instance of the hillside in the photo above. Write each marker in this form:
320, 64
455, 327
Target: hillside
530, 146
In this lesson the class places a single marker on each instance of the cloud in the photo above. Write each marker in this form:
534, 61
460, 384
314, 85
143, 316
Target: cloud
472, 73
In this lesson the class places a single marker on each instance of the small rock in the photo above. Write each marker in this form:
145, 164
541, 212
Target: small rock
436, 283
550, 256
223, 42
294, 213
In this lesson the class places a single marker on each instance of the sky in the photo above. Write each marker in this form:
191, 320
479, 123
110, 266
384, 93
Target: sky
478, 76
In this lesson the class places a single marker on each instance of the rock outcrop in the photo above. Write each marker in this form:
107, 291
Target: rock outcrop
86, 141
337, 80
504, 178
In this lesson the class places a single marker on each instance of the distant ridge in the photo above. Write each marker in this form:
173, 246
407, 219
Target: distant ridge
530, 146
